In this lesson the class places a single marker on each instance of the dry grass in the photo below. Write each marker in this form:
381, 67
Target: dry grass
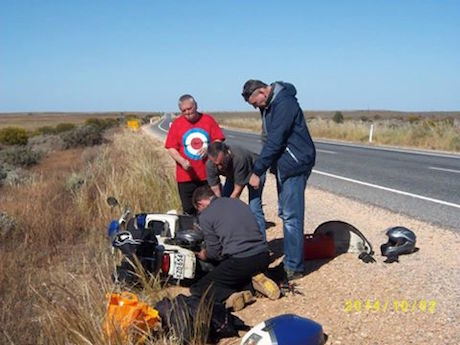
55, 265
441, 134
32, 121
436, 134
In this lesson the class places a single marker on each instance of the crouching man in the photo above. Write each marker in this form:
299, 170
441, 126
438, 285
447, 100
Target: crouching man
233, 238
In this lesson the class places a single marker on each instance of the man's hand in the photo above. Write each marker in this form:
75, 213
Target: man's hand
186, 164
202, 255
203, 152
254, 181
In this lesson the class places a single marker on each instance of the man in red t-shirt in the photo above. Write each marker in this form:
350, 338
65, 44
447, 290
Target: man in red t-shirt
187, 142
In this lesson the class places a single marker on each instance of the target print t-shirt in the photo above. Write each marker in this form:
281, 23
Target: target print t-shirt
189, 138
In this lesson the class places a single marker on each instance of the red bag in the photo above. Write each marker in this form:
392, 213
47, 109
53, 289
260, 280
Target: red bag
318, 246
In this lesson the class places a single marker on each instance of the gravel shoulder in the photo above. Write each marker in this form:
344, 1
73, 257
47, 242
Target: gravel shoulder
335, 292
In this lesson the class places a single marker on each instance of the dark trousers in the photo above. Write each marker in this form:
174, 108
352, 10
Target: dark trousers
231, 275
186, 190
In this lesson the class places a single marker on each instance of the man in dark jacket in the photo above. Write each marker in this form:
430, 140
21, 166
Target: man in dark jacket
290, 151
233, 239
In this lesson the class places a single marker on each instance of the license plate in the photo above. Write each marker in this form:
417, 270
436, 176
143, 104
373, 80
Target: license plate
179, 266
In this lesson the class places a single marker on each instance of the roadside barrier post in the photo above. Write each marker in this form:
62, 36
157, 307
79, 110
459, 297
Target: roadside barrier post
371, 132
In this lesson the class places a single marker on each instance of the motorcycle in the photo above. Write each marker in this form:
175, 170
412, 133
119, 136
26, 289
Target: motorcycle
164, 243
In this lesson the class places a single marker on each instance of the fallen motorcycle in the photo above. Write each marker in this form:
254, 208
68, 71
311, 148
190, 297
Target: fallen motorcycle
163, 243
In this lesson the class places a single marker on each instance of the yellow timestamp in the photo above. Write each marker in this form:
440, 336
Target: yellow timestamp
399, 306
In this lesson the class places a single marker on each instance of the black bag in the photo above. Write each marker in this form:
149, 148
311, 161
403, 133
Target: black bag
178, 317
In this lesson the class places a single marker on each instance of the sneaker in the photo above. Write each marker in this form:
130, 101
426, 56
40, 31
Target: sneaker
266, 286
293, 275
239, 300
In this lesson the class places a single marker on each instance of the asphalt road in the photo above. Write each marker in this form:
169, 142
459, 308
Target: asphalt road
424, 185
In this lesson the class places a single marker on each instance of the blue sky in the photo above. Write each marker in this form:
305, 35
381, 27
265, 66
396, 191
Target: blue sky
79, 55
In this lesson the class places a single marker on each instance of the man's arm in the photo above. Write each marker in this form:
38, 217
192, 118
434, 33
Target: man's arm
179, 159
237, 189
216, 189
213, 246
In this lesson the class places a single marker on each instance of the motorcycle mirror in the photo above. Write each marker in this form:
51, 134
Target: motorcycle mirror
112, 201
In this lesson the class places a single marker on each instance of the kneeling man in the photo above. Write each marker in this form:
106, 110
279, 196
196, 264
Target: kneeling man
233, 238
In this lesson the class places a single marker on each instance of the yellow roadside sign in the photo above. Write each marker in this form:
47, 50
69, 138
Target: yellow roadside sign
133, 124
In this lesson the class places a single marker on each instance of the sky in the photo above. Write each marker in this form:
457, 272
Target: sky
86, 55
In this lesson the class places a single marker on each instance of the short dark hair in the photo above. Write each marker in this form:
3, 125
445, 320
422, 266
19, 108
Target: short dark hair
250, 86
216, 147
202, 193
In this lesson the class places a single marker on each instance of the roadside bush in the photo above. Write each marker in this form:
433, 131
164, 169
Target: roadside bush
414, 118
64, 127
88, 135
338, 117
101, 123
20, 156
46, 130
7, 224
74, 182
3, 175
13, 136
46, 143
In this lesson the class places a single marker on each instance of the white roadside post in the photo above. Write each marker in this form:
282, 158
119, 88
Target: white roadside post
371, 132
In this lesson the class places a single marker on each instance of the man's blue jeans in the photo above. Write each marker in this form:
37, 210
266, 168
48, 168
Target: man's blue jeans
291, 201
255, 201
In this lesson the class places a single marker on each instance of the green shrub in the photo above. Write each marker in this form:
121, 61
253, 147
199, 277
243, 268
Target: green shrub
46, 130
20, 156
130, 117
338, 117
64, 127
88, 135
414, 118
13, 136
101, 123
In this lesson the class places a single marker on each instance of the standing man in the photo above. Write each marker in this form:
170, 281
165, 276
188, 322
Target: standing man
235, 163
187, 142
233, 239
290, 150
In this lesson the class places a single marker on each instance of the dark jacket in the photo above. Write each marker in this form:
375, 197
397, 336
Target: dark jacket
230, 229
289, 146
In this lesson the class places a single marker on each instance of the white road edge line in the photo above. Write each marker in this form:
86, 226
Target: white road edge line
326, 151
387, 189
443, 169
161, 128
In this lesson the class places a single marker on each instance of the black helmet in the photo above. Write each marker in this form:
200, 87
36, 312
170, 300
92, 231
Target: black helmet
401, 240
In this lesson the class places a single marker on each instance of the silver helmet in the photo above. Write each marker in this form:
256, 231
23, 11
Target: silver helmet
401, 240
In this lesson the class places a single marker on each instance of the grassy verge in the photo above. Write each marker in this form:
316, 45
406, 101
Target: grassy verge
436, 133
55, 258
